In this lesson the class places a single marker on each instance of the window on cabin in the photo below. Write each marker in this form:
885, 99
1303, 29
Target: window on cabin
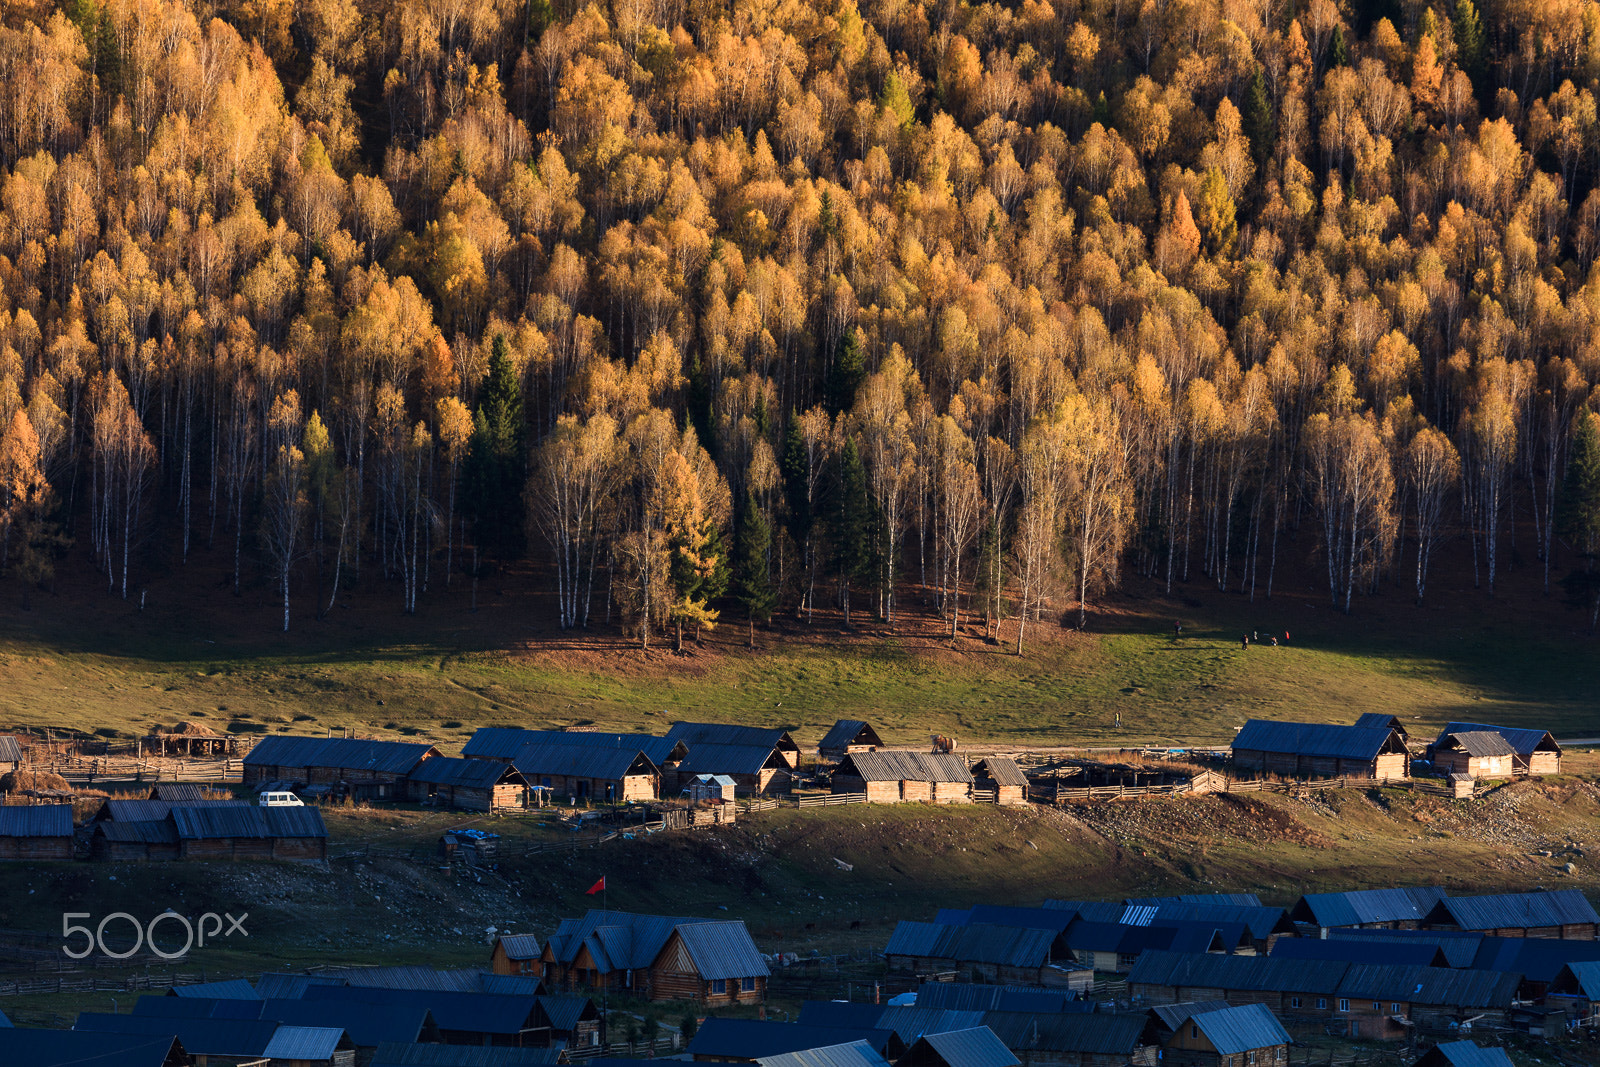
1294, 1002
1377, 1005
1322, 1002
719, 985
747, 985
1394, 1008
1344, 1005
1250, 1057
1194, 1031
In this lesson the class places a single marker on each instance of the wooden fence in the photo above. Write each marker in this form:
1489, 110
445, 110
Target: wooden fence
828, 800
1058, 794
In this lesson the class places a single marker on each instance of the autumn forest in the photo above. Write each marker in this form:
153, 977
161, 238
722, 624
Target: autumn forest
715, 310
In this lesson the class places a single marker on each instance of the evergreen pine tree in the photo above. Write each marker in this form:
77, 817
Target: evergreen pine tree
853, 533
1338, 51
752, 548
794, 481
1257, 121
849, 368
1471, 46
494, 472
1578, 510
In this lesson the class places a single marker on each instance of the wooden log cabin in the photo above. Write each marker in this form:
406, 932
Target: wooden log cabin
658, 957
974, 1046
10, 753
694, 734
376, 769
1214, 1034
1536, 752
756, 770
1003, 778
516, 954
1401, 908
1562, 914
225, 832
134, 841
904, 777
36, 832
467, 784
847, 736
1076, 1040
1475, 753
504, 743
1312, 750
585, 772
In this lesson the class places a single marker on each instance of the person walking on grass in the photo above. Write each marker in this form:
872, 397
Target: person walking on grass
1244, 642
1177, 630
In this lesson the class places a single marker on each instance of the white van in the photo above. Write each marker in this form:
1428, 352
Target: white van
281, 800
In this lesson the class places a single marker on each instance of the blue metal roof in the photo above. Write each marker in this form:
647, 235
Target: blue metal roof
232, 989
749, 1039
1539, 959
1362, 906
974, 1047
722, 949
854, 1054
566, 1010
1241, 1029
1227, 900
376, 757
1410, 953
1515, 910
478, 1013
582, 761
200, 1037
963, 996
36, 820
1097, 1034
306, 1043
1009, 946
1316, 739
73, 1048
841, 1015
1467, 1054
621, 939
1459, 947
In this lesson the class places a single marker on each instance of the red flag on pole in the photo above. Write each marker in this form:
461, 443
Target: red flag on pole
597, 887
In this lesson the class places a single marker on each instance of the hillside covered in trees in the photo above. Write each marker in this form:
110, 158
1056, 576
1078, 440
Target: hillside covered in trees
731, 308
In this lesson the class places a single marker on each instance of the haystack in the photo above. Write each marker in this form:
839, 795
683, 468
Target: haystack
33, 781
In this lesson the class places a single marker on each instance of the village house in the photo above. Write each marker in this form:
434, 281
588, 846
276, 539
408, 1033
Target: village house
10, 753
1563, 914
1576, 988
854, 1054
1265, 925
467, 784
516, 954
1474, 753
586, 772
248, 832
1003, 778
1402, 908
756, 770
695, 734
905, 777
1536, 752
574, 1020
1007, 955
1077, 1040
209, 1042
310, 1046
711, 789
1377, 720
657, 957
463, 1018
133, 842
847, 736
975, 1046
504, 743
36, 832
74, 1048
1307, 750
1112, 947
748, 1040
371, 769
367, 1024
1463, 1054
1213, 1034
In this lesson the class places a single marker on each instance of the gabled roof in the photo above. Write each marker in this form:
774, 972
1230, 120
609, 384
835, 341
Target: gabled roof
278, 986
749, 1039
1466, 1054
478, 1013
910, 1023
716, 733
1539, 959
566, 1010
618, 939
496, 742
1009, 946
1355, 908
1097, 1034
849, 732
1007, 915
1578, 977
36, 820
1477, 743
707, 758
116, 810
232, 989
1459, 947
10, 751
376, 757
1514, 910
1317, 739
904, 767
1173, 1016
976, 1046
200, 1037
1377, 720
148, 832
582, 761
520, 946
1524, 742
854, 1054
397, 1054
722, 949
1240, 1029
1261, 973
504, 743
464, 773
245, 820
178, 792
1001, 770
306, 1043
963, 996
368, 1024
74, 1048
1409, 953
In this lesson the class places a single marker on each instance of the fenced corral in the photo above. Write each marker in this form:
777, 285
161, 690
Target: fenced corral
1051, 792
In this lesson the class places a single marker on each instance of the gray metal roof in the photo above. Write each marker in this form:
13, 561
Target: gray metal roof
708, 758
974, 1047
478, 1013
219, 822
853, 1054
74, 1048
1173, 1016
1514, 910
1317, 739
520, 946
145, 832
964, 996
750, 1039
464, 773
10, 751
294, 821
495, 742
1009, 946
904, 767
722, 949
635, 939
505, 742
1003, 771
134, 810
36, 820
1413, 952
398, 1054
582, 761
306, 1043
1523, 741
1477, 743
339, 753
1362, 906
566, 1010
1377, 720
1467, 1054
178, 792
849, 732
717, 733
1240, 1029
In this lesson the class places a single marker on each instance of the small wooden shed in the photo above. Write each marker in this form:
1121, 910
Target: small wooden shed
221, 832
1304, 750
516, 954
468, 784
376, 766
36, 832
129, 842
10, 753
1536, 752
1003, 777
713, 788
1475, 753
847, 736
897, 777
